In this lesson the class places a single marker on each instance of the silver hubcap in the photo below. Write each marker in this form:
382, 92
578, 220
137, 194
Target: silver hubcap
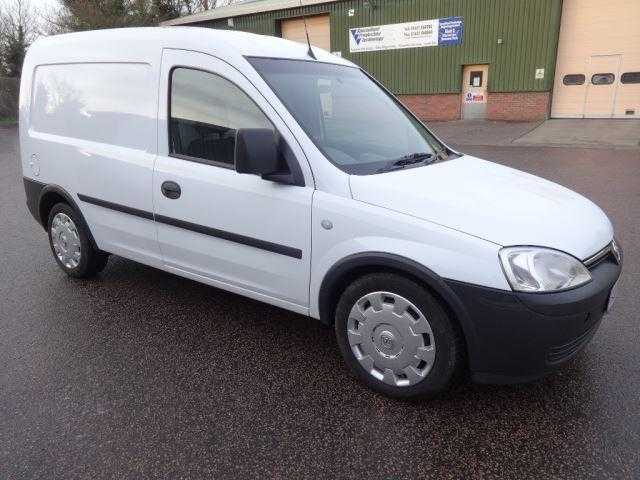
391, 338
66, 241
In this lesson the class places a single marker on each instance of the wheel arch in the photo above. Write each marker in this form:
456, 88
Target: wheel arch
357, 265
53, 194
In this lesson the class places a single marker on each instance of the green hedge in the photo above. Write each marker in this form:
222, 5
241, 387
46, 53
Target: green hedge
9, 93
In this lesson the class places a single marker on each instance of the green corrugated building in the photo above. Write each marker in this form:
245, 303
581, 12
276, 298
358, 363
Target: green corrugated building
446, 59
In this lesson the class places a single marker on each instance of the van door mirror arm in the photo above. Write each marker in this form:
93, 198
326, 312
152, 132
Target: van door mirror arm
280, 177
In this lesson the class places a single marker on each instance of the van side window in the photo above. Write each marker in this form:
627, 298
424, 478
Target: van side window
206, 110
96, 102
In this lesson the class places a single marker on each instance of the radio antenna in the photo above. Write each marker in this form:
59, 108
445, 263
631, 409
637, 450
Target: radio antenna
306, 31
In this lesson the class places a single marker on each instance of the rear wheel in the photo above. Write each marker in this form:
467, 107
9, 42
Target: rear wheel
70, 244
396, 337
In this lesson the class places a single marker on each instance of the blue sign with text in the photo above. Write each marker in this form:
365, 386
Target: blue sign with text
450, 31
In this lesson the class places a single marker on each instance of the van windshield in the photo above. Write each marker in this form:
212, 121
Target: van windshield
356, 124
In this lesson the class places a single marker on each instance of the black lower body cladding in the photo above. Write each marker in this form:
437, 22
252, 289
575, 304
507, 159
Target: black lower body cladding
518, 337
33, 190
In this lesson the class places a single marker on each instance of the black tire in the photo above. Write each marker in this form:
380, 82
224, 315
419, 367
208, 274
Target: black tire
448, 364
92, 260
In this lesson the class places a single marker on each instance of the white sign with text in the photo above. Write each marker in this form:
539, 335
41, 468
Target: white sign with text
424, 33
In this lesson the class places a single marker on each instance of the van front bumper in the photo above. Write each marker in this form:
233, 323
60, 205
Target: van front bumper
519, 337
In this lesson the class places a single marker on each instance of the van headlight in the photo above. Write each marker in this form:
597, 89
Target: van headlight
537, 269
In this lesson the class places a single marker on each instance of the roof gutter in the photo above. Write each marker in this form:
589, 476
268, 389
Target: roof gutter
245, 8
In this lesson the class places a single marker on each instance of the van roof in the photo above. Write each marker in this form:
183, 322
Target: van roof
141, 45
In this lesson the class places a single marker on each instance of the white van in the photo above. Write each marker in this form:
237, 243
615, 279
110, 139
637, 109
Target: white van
249, 164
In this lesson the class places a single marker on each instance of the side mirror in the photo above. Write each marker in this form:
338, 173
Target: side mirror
257, 153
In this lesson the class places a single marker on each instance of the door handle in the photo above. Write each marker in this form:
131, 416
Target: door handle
171, 190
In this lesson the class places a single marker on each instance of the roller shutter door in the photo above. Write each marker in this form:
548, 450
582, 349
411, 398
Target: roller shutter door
319, 31
598, 56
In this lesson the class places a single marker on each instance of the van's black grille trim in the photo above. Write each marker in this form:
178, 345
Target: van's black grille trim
597, 258
193, 227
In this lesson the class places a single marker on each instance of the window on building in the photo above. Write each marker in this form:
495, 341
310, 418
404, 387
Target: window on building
630, 77
574, 79
602, 78
206, 112
475, 79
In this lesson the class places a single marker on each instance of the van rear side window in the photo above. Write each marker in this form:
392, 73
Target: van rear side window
206, 112
108, 103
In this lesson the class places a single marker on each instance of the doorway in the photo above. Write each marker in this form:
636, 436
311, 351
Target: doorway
475, 79
318, 26
602, 86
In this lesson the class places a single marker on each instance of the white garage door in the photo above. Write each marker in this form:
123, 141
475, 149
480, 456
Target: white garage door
319, 31
598, 66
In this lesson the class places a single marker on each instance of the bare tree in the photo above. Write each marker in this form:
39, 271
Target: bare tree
76, 15
18, 29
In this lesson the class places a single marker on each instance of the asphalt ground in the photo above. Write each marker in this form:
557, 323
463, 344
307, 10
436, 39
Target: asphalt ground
142, 374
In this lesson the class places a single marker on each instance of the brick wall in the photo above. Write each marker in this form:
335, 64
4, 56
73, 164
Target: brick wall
518, 106
510, 106
445, 106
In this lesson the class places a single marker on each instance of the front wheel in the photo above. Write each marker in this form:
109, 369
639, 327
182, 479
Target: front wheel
70, 244
395, 336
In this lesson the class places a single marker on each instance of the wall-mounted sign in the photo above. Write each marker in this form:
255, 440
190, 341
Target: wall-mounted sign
473, 97
539, 73
424, 33
450, 31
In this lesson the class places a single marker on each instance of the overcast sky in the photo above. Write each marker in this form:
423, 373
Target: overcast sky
46, 4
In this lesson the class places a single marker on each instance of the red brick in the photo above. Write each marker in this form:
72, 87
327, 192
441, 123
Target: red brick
445, 106
518, 106
513, 106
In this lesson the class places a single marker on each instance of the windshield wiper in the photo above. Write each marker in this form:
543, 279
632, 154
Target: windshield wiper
410, 159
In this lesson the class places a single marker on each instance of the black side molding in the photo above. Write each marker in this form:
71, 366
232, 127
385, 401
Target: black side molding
193, 227
232, 237
117, 207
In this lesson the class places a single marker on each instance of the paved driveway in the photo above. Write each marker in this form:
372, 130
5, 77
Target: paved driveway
141, 374
571, 133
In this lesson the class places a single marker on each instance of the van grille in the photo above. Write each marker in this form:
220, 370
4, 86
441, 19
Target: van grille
599, 257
